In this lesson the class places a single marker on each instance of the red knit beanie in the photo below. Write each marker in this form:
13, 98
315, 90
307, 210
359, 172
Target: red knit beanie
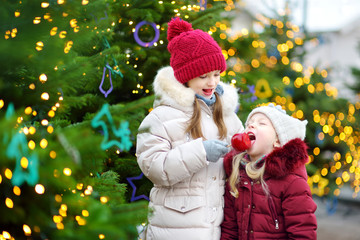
193, 52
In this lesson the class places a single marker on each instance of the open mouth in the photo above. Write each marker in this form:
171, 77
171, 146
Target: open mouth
208, 92
251, 136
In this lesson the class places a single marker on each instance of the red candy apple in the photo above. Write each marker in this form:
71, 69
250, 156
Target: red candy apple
241, 142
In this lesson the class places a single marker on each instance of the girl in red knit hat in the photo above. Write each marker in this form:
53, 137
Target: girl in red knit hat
267, 195
181, 142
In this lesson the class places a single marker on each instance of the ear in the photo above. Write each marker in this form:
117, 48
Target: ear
277, 144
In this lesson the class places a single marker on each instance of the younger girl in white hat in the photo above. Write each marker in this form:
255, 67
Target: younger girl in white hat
267, 195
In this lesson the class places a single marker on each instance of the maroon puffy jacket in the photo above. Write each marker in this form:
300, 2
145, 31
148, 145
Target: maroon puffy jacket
289, 212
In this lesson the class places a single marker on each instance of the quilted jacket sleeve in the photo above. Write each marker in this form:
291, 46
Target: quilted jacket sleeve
162, 163
299, 211
229, 227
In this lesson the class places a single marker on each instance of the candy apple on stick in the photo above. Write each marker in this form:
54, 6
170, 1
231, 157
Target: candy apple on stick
241, 142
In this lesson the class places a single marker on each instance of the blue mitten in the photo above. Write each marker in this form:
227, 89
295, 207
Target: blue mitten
215, 149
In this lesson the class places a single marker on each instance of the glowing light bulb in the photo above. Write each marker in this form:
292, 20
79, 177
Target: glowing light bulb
9, 203
43, 143
37, 20
43, 78
45, 96
39, 46
57, 219
62, 34
31, 144
104, 199
8, 173
85, 213
17, 191
27, 230
67, 171
32, 130
52, 154
6, 235
51, 113
58, 198
45, 4
53, 31
39, 189
50, 129
24, 162
28, 110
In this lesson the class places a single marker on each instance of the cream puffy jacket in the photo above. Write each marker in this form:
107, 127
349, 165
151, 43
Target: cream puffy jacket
186, 201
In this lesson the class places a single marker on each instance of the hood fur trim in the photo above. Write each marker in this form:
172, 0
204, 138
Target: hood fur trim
168, 91
282, 161
287, 159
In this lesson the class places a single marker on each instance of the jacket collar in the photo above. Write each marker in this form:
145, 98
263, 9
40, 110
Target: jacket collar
168, 91
291, 158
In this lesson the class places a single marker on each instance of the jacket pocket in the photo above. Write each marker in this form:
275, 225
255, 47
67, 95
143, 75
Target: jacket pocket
184, 203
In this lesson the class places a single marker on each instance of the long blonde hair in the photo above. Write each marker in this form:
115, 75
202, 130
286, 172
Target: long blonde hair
194, 127
252, 171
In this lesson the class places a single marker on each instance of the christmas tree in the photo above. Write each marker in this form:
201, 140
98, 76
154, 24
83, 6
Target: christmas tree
76, 83
57, 129
267, 65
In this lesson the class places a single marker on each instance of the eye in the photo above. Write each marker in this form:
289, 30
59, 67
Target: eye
203, 76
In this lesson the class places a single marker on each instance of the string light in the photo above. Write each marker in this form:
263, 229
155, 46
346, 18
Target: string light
8, 173
16, 190
104, 200
85, 213
52, 154
9, 203
24, 162
45, 96
39, 189
67, 171
43, 78
32, 130
27, 230
101, 236
43, 143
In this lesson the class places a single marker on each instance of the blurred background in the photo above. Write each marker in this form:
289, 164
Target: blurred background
75, 83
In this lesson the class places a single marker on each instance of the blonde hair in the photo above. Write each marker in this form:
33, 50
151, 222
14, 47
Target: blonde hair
252, 171
194, 127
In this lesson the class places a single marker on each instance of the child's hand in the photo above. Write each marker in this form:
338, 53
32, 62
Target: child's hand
215, 149
241, 142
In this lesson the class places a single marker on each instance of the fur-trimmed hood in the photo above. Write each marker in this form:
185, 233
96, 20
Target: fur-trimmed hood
291, 158
168, 91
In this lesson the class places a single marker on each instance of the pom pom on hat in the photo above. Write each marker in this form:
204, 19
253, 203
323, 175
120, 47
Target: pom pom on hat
287, 128
193, 52
177, 26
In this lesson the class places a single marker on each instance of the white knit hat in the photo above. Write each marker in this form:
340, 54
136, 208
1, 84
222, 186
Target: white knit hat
286, 127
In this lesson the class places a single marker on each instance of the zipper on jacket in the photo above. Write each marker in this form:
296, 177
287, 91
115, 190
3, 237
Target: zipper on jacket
276, 224
273, 211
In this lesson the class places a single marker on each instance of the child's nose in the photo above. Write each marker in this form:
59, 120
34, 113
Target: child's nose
211, 81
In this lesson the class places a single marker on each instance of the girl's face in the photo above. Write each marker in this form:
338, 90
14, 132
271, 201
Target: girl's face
262, 135
205, 84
